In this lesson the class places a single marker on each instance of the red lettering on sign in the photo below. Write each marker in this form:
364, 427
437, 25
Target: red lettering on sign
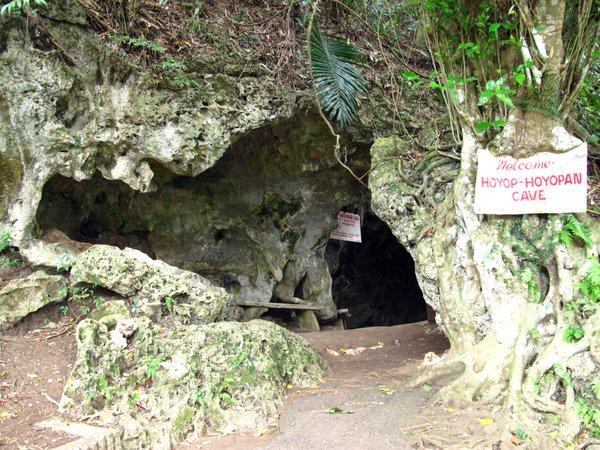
507, 164
526, 196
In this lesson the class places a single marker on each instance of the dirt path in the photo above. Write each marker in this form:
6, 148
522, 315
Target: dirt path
367, 385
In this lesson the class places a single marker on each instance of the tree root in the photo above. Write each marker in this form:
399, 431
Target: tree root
445, 368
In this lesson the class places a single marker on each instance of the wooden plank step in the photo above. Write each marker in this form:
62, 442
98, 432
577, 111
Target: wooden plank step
296, 306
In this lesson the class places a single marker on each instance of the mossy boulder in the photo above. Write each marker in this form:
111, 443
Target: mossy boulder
168, 384
110, 313
23, 296
154, 287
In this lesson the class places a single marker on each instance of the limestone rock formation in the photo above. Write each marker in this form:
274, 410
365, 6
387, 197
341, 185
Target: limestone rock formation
23, 296
407, 208
153, 286
169, 384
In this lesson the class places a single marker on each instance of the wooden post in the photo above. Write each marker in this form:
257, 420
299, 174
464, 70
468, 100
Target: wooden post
308, 320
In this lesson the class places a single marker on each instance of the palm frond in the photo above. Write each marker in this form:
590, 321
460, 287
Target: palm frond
337, 78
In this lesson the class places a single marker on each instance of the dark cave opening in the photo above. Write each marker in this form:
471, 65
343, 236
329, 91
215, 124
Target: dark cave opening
375, 279
95, 211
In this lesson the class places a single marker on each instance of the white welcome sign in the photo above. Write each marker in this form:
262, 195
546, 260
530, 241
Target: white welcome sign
543, 183
348, 227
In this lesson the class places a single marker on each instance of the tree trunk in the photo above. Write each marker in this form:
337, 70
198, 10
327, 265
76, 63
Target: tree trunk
504, 339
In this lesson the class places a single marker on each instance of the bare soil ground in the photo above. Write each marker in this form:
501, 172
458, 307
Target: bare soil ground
363, 402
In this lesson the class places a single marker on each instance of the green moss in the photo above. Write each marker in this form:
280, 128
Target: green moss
10, 177
184, 420
388, 147
217, 374
273, 206
545, 101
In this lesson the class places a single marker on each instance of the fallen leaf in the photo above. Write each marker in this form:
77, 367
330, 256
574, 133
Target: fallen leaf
515, 440
426, 387
486, 421
387, 390
5, 414
33, 375
289, 386
332, 352
336, 410
355, 351
451, 410
261, 432
553, 434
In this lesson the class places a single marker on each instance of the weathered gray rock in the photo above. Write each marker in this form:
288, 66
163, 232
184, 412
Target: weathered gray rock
111, 312
23, 296
167, 385
394, 199
266, 220
256, 223
107, 115
153, 287
48, 255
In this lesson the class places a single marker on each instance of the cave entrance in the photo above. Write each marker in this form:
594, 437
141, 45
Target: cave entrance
375, 279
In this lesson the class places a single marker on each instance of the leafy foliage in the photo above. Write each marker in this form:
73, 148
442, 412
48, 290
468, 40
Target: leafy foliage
532, 287
169, 303
337, 78
589, 415
6, 247
588, 110
139, 42
18, 6
590, 285
5, 241
573, 228
573, 334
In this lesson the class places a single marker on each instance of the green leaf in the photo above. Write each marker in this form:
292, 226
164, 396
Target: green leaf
494, 27
482, 126
436, 85
573, 334
497, 124
337, 78
505, 99
520, 78
410, 76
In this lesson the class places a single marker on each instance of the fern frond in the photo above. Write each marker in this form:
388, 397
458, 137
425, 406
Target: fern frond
574, 228
337, 78
565, 236
590, 285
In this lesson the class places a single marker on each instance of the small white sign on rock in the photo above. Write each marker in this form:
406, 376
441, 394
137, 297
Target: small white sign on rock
348, 227
543, 183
